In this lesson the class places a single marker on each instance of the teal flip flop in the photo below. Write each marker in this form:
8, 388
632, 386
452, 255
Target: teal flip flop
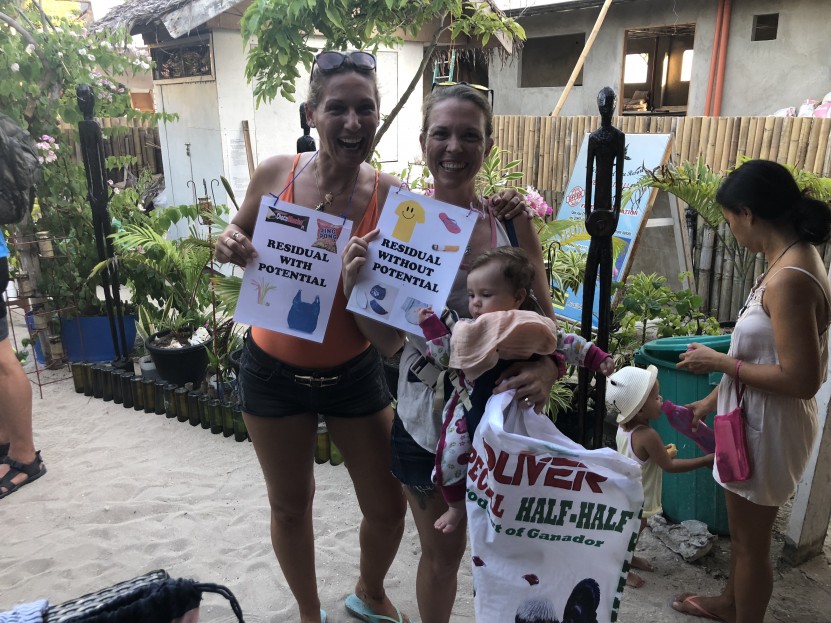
358, 609
322, 616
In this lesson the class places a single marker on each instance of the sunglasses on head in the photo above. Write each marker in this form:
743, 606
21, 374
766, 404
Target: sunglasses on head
331, 61
478, 87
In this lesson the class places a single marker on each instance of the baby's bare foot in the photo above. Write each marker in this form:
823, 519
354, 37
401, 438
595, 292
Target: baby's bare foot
450, 520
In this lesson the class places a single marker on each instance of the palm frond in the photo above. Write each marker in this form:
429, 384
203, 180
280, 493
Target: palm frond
227, 289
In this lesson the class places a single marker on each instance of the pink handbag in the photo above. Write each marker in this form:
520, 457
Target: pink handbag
732, 458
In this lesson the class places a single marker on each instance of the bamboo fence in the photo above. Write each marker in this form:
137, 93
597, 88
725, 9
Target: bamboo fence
548, 147
140, 141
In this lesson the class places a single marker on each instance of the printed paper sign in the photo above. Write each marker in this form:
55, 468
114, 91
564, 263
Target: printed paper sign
642, 151
291, 286
413, 262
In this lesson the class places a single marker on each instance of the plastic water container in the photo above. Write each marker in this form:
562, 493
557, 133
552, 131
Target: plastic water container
691, 495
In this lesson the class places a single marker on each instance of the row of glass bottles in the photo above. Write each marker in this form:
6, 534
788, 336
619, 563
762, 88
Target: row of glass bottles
101, 380
325, 450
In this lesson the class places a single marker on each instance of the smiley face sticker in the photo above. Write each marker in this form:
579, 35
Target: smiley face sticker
409, 213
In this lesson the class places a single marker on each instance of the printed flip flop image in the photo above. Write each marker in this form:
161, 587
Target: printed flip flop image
378, 292
451, 225
361, 299
377, 308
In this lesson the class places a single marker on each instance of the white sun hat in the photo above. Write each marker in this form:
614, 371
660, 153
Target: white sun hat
627, 390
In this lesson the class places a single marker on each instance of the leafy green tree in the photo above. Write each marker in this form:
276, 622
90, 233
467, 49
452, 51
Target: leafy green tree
43, 59
281, 29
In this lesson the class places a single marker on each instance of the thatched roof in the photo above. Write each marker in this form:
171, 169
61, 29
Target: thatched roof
133, 13
179, 17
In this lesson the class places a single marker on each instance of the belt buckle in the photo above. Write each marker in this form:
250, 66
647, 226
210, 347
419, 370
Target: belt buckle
316, 381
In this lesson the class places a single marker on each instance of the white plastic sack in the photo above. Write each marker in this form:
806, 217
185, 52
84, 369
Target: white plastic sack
790, 111
552, 525
807, 108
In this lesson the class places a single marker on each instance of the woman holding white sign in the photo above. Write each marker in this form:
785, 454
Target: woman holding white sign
455, 137
285, 381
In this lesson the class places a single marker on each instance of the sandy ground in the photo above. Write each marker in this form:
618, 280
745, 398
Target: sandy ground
129, 492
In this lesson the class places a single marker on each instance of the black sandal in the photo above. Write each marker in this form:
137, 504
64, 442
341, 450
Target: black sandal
33, 470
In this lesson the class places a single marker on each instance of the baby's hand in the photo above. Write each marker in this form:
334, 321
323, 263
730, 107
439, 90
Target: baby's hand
672, 451
607, 366
424, 313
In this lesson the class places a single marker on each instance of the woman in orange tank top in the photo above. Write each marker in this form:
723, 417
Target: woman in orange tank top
286, 382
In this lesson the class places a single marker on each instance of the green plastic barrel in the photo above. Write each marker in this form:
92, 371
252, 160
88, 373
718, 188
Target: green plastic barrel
691, 495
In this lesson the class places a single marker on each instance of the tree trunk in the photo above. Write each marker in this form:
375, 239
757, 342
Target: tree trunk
409, 91
27, 251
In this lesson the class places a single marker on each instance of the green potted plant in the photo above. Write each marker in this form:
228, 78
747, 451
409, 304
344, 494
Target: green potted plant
170, 282
66, 284
223, 366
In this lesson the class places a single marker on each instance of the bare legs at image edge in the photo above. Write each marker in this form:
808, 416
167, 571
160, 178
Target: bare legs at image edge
750, 583
20, 464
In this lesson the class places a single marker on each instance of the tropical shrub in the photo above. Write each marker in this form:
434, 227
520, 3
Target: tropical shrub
43, 61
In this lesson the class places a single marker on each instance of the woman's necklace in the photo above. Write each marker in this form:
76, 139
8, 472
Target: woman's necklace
327, 199
779, 257
761, 278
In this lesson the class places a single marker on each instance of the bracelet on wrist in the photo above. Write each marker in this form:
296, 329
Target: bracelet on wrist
738, 367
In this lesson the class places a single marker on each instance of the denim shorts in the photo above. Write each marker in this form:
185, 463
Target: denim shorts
412, 465
271, 388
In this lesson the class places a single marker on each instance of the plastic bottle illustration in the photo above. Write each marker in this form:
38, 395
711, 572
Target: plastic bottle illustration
680, 418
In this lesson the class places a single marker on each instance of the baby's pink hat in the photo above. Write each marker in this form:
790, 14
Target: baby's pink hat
475, 347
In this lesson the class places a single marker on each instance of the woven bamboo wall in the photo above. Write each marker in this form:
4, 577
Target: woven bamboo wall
548, 147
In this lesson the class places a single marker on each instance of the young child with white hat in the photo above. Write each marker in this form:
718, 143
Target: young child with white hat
632, 393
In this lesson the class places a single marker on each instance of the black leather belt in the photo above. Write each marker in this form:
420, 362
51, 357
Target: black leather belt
314, 380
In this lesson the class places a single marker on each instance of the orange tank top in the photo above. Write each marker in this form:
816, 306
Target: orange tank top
343, 339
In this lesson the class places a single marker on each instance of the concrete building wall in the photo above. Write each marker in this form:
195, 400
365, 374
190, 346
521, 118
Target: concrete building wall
760, 76
235, 100
212, 111
764, 76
